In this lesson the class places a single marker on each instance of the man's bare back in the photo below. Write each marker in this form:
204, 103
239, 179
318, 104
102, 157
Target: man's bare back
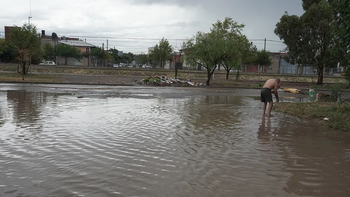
270, 83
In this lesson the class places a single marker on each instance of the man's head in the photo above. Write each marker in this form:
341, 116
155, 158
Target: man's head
278, 80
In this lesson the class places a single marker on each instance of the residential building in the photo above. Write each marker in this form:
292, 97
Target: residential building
280, 66
83, 46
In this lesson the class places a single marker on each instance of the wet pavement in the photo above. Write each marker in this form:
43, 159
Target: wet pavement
69, 140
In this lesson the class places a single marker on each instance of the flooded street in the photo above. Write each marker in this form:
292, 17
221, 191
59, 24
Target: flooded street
61, 140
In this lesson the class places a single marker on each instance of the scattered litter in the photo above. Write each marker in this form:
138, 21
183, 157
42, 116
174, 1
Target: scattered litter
292, 90
326, 119
311, 92
165, 81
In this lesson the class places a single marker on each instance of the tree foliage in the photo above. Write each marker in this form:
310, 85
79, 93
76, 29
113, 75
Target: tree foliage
100, 56
8, 52
68, 51
224, 45
127, 58
262, 59
236, 46
114, 55
310, 38
27, 45
2, 46
205, 49
161, 53
342, 16
141, 59
48, 52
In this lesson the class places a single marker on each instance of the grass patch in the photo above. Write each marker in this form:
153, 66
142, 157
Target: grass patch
32, 78
338, 114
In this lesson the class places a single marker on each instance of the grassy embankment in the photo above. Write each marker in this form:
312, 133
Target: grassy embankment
332, 115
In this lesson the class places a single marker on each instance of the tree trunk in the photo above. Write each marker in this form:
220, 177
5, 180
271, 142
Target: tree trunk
227, 74
237, 75
320, 74
23, 71
209, 77
176, 68
199, 66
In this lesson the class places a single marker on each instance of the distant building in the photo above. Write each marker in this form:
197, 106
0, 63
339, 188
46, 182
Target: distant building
8, 30
83, 46
280, 66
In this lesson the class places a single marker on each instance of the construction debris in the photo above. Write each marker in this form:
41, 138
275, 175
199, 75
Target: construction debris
165, 81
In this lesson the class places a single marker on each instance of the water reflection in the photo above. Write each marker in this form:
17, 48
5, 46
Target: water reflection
2, 109
312, 156
25, 106
197, 145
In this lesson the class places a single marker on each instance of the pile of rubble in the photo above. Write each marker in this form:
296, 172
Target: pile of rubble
165, 81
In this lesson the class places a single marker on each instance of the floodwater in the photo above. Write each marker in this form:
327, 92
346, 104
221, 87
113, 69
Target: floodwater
128, 141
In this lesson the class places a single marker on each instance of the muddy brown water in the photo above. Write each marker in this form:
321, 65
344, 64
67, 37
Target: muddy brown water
61, 140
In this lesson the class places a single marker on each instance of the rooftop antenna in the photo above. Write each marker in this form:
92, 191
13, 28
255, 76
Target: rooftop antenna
30, 11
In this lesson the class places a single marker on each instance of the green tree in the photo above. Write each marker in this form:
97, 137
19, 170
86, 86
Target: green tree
114, 55
236, 46
161, 52
342, 29
8, 53
68, 51
27, 46
141, 59
127, 58
223, 45
262, 59
100, 56
310, 37
2, 46
49, 52
205, 49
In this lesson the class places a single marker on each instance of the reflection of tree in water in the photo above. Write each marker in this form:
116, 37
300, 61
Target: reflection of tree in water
314, 161
2, 118
26, 106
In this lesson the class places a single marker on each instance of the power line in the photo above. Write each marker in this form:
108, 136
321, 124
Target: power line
131, 38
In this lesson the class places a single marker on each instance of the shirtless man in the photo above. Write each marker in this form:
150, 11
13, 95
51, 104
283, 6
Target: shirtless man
270, 86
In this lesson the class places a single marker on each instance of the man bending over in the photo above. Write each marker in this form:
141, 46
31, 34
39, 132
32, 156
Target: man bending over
270, 86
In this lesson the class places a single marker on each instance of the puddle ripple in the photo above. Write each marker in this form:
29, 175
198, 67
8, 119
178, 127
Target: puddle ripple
61, 145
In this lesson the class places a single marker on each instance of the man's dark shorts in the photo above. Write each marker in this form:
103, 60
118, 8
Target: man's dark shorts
266, 95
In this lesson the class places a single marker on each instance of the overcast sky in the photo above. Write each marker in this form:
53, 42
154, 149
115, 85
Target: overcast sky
135, 25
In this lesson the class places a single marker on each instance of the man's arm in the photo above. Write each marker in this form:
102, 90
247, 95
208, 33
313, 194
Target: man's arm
276, 92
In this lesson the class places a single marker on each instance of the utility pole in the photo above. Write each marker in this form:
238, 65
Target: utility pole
265, 44
160, 56
103, 59
30, 12
107, 51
